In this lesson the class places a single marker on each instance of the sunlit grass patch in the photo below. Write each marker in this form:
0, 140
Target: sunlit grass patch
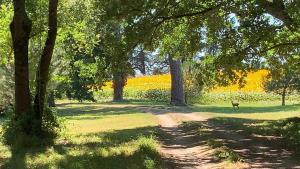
225, 153
255, 110
97, 117
97, 136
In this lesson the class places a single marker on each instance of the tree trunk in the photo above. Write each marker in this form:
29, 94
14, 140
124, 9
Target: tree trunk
142, 60
20, 29
283, 97
177, 90
42, 75
119, 80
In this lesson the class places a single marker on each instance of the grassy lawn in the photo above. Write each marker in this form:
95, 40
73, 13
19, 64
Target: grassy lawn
113, 136
97, 136
258, 110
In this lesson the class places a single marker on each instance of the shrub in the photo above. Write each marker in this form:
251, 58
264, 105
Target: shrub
157, 95
289, 129
149, 153
17, 133
103, 94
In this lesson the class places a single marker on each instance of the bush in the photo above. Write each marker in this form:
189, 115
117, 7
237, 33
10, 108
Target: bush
289, 129
103, 95
22, 132
149, 153
159, 95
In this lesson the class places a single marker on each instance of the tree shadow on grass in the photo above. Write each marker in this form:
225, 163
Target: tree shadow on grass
142, 158
246, 109
18, 156
129, 148
258, 142
112, 150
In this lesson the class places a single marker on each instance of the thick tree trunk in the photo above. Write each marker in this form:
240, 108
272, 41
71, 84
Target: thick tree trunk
42, 75
119, 81
177, 90
283, 97
20, 29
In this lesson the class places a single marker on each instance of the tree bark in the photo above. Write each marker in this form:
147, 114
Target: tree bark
177, 89
283, 97
20, 29
142, 60
42, 74
119, 80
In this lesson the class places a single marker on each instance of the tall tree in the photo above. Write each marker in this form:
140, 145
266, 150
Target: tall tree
177, 87
20, 30
42, 75
119, 82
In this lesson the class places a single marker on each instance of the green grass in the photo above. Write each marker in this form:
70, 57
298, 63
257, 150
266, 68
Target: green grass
257, 110
96, 137
108, 136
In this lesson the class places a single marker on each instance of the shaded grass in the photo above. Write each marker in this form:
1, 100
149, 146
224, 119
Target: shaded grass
286, 130
270, 143
260, 118
97, 137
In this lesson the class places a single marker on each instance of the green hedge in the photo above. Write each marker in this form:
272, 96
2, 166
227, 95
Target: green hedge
163, 95
160, 95
243, 97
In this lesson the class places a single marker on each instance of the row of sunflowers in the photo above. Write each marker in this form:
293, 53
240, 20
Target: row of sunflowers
254, 83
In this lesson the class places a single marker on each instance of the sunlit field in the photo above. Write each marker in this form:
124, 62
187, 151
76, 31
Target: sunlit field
253, 110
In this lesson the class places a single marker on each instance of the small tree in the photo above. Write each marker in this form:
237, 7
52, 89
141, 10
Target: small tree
284, 77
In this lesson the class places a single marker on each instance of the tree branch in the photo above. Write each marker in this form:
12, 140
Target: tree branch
278, 10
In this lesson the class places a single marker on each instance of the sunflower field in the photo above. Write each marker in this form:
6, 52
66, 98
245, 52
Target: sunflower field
157, 88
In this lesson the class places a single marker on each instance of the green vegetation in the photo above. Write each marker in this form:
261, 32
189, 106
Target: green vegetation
97, 136
288, 129
263, 110
264, 118
58, 49
280, 126
221, 152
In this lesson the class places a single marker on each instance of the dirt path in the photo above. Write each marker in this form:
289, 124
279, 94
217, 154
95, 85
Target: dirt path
258, 151
182, 150
185, 150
